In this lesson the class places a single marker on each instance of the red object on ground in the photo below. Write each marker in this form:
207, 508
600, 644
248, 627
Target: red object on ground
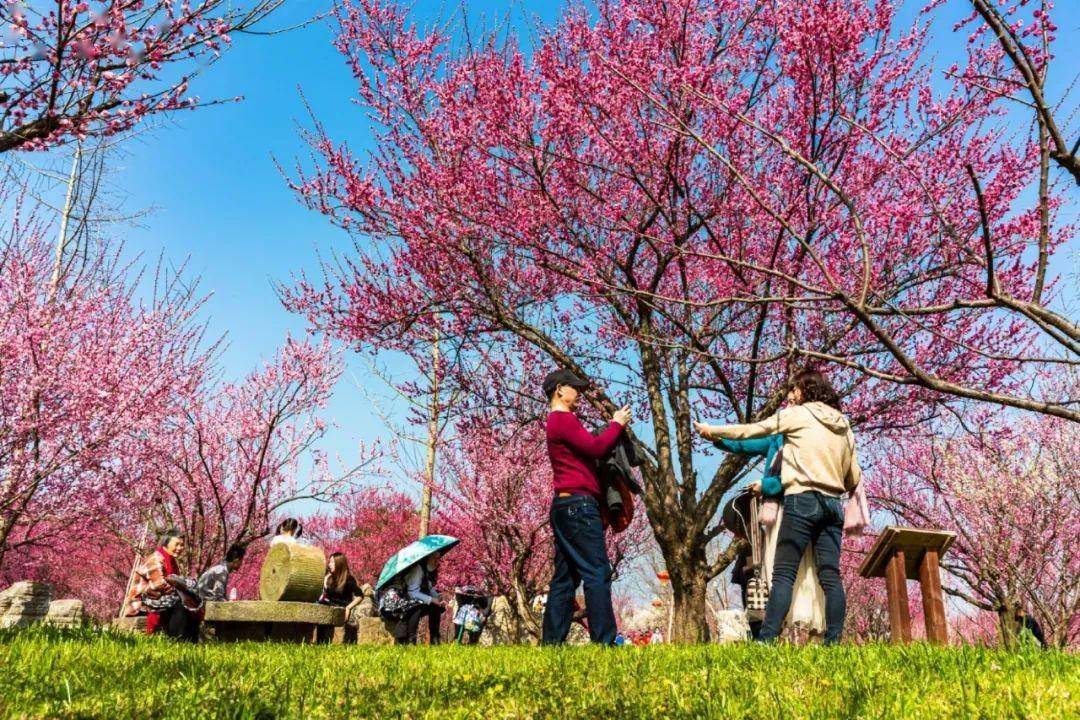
153, 622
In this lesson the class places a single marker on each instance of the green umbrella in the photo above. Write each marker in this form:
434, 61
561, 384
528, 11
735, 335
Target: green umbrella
408, 556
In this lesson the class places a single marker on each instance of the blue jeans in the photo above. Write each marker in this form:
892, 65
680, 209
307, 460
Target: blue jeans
809, 517
580, 558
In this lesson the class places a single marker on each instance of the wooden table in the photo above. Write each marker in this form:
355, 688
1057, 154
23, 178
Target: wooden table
901, 554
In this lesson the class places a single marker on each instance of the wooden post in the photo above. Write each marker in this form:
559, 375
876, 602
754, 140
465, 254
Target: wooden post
134, 567
433, 440
933, 603
896, 586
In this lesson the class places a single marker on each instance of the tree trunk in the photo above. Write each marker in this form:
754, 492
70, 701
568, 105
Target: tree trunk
689, 623
1007, 625
524, 620
65, 218
5, 530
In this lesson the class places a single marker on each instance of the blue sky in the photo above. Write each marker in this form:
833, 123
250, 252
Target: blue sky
223, 203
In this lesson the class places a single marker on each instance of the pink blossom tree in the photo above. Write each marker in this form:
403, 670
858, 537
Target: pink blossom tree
495, 496
1025, 32
946, 215
223, 466
624, 202
1010, 495
85, 365
368, 524
72, 69
88, 558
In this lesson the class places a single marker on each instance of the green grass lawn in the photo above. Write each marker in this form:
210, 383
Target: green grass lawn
83, 674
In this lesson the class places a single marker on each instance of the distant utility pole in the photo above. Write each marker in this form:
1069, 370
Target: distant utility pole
432, 440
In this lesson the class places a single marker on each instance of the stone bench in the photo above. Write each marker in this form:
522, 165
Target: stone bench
269, 620
262, 620
257, 620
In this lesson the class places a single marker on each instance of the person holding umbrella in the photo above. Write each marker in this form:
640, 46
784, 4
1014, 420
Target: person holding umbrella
420, 586
406, 588
580, 553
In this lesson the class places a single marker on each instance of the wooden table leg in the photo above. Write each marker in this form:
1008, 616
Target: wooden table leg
896, 587
933, 602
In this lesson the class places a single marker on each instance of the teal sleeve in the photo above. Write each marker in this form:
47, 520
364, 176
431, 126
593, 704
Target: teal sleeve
771, 487
757, 446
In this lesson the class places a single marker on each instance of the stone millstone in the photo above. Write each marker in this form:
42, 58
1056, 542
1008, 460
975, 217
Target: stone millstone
292, 572
372, 631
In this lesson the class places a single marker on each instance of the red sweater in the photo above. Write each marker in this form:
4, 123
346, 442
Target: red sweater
574, 451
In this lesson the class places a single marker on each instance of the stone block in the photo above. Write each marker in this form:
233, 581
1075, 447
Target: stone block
25, 603
366, 607
732, 626
135, 624
372, 631
66, 613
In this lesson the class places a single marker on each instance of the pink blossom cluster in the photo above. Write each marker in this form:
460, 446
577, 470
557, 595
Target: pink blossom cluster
71, 69
115, 425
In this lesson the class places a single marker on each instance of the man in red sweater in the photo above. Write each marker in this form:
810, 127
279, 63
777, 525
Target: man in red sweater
580, 554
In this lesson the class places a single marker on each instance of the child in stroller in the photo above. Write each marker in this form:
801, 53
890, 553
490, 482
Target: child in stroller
473, 609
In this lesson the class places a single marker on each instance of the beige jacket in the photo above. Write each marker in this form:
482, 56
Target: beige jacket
819, 447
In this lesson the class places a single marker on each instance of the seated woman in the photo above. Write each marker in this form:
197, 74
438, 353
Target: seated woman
420, 582
340, 589
289, 530
154, 592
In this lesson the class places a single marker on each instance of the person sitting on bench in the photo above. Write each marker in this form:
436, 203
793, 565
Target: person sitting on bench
213, 584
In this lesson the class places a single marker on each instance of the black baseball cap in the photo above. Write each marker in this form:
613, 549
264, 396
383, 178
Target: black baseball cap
562, 377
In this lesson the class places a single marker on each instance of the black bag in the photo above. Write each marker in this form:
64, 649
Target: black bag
393, 603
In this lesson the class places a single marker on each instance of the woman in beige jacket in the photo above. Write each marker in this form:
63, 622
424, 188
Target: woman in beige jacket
819, 464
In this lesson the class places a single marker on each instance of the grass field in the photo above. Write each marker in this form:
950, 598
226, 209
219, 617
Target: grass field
87, 674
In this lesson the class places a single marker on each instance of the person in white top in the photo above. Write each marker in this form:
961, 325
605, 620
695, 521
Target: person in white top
289, 530
819, 464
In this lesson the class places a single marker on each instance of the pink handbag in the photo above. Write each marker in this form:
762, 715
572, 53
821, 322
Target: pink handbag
770, 509
857, 512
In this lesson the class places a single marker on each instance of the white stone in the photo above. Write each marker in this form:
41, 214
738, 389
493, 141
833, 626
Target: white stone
732, 626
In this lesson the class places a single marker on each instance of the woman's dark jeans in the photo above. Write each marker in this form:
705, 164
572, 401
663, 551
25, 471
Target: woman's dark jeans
580, 558
182, 624
809, 518
406, 629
